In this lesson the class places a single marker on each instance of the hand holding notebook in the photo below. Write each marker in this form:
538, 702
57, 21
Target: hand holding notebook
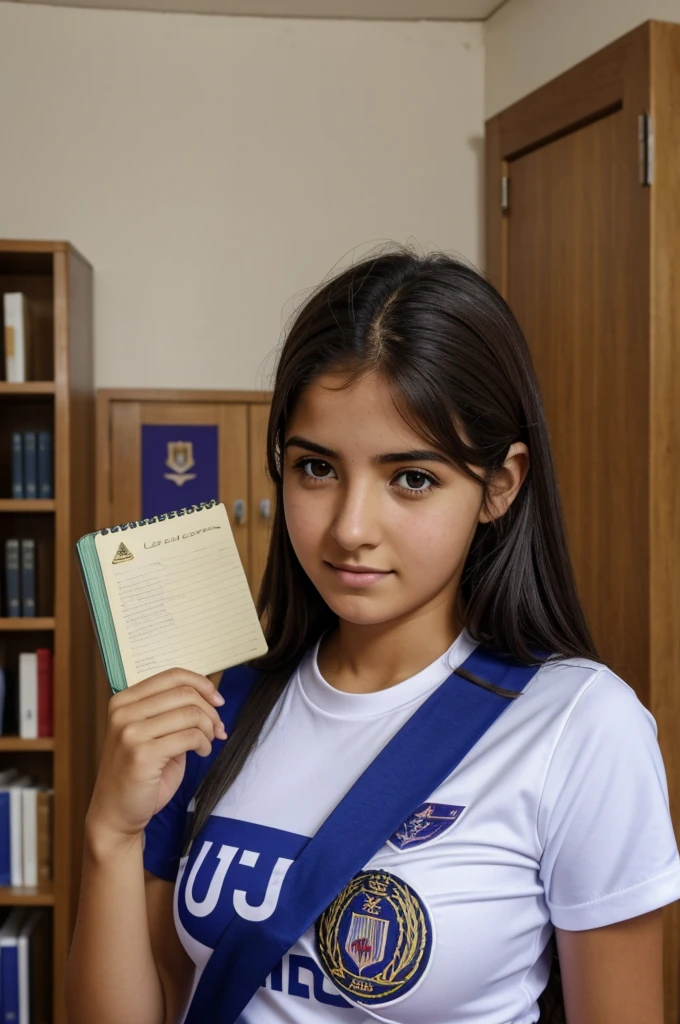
169, 592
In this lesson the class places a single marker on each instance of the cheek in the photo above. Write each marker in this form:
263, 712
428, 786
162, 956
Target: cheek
435, 541
304, 519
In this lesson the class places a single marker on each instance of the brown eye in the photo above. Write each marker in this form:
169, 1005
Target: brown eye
315, 469
416, 482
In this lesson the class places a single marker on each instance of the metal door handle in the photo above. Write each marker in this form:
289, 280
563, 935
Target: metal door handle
240, 511
265, 508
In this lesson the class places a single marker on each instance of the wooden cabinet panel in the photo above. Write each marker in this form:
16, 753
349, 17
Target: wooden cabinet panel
240, 419
127, 420
262, 495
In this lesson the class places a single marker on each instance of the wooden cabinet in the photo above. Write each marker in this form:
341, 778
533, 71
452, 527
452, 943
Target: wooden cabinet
583, 240
57, 283
240, 420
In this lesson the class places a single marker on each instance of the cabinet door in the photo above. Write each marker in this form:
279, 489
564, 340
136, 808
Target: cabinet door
127, 422
124, 488
262, 495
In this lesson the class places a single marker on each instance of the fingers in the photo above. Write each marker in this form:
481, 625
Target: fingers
179, 696
160, 682
188, 719
177, 743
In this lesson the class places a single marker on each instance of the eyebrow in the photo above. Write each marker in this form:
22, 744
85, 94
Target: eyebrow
416, 455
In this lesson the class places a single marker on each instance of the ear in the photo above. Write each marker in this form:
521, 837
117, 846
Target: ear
506, 482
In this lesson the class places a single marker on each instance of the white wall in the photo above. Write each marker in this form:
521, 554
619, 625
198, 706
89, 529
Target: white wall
212, 169
528, 42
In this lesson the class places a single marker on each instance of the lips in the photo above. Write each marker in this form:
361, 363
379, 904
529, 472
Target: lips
358, 568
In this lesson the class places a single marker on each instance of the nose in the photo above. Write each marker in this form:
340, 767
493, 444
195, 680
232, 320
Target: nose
356, 522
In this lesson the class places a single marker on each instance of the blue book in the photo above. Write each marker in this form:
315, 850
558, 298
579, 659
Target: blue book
12, 592
5, 863
28, 577
9, 964
45, 465
30, 464
17, 465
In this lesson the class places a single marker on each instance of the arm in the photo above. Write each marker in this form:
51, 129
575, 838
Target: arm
111, 975
175, 968
613, 975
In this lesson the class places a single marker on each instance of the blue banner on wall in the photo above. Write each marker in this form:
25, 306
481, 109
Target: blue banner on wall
179, 467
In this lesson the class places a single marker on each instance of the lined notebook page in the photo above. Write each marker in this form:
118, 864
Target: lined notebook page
179, 596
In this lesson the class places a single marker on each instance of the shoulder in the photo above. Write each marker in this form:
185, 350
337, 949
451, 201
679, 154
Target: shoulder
592, 700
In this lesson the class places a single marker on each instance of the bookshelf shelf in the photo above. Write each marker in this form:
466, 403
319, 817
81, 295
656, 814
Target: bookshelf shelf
17, 744
57, 284
26, 625
27, 505
16, 896
31, 387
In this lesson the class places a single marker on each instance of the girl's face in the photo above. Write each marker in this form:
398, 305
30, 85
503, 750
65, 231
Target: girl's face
360, 492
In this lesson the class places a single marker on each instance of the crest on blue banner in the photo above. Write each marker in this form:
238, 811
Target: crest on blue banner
180, 460
427, 823
375, 940
179, 467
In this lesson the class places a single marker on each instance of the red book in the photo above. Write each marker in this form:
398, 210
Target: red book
45, 692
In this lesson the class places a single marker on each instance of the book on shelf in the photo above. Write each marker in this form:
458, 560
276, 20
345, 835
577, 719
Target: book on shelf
17, 464
28, 577
36, 694
26, 810
169, 591
45, 464
12, 586
24, 957
17, 338
32, 464
20, 577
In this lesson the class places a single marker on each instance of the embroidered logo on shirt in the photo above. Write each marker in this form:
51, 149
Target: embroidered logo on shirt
375, 939
427, 823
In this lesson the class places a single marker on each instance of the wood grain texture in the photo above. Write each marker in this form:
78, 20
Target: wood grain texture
73, 648
592, 269
493, 173
106, 395
664, 440
261, 489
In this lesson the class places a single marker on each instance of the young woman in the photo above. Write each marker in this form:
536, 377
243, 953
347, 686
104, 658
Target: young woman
417, 522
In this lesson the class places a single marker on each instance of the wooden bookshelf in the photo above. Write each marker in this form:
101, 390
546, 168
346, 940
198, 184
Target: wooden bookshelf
57, 282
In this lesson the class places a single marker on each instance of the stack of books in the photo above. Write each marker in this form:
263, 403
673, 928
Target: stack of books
32, 464
20, 575
17, 346
24, 967
27, 704
26, 810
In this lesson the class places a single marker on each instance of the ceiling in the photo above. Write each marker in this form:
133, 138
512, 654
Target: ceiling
393, 10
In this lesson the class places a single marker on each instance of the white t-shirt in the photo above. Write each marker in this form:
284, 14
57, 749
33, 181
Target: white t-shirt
558, 816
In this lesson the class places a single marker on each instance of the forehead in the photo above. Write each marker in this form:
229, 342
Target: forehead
360, 418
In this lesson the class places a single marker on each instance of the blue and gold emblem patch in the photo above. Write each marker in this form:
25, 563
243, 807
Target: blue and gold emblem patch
375, 939
429, 822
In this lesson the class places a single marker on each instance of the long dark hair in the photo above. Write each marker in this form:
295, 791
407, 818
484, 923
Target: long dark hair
461, 374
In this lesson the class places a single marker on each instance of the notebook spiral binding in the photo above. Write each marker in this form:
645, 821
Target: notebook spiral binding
161, 518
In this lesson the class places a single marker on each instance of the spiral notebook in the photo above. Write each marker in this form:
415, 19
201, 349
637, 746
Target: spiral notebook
167, 592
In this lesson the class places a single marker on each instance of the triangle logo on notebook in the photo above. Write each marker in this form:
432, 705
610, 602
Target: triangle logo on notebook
123, 554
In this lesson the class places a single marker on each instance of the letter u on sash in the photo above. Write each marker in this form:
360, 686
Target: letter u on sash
207, 905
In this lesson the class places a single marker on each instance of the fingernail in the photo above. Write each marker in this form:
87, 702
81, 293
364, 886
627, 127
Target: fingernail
217, 698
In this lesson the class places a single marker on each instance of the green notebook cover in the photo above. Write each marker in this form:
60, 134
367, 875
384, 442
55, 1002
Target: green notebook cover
169, 591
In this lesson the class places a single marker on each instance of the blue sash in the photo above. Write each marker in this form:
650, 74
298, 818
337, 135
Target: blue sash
415, 762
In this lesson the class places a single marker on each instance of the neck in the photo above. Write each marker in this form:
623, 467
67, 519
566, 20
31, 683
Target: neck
361, 658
